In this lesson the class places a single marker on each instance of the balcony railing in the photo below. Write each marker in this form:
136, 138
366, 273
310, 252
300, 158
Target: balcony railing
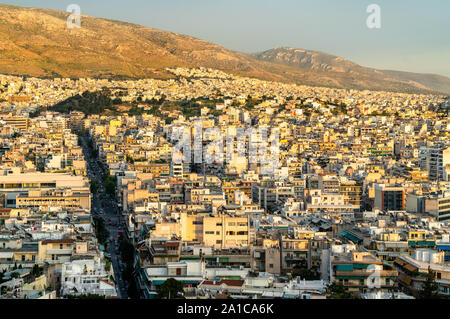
362, 273
59, 251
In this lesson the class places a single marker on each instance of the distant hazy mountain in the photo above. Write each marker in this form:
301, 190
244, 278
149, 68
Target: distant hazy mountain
37, 42
319, 61
310, 60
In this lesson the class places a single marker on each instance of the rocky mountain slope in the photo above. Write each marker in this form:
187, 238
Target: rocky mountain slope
37, 42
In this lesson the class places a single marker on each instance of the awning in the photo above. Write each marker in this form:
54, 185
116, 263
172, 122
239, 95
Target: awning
400, 262
428, 243
344, 267
351, 237
411, 267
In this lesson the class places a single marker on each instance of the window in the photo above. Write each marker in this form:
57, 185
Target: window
271, 266
48, 185
60, 246
178, 271
13, 185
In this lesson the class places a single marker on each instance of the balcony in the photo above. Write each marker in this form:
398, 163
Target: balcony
294, 258
367, 273
59, 251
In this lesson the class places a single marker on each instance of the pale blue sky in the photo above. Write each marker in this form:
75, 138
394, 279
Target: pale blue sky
414, 35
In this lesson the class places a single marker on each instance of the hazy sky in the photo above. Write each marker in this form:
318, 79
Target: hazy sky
414, 34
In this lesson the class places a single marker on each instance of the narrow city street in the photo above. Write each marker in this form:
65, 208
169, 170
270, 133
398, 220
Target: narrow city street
105, 207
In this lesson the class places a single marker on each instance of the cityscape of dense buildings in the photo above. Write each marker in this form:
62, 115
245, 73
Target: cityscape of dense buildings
354, 201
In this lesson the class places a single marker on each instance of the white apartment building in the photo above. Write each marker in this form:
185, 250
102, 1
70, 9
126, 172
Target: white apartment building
81, 277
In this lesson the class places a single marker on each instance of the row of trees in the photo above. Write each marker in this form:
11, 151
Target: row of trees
101, 231
127, 252
110, 184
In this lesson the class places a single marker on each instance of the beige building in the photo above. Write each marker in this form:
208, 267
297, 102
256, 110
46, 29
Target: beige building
46, 200
220, 231
56, 251
45, 190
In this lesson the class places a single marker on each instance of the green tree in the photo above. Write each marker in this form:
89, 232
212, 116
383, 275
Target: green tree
94, 186
126, 251
108, 265
169, 120
100, 230
110, 184
430, 288
170, 289
15, 275
306, 274
36, 271
301, 270
338, 291
88, 103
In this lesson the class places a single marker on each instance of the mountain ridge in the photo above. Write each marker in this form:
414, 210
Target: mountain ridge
37, 42
302, 58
